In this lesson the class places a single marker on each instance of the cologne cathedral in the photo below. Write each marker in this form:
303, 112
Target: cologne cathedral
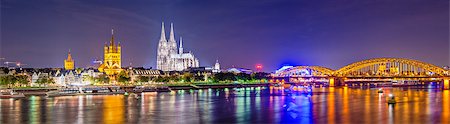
171, 58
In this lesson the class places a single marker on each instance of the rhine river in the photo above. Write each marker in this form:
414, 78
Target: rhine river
245, 105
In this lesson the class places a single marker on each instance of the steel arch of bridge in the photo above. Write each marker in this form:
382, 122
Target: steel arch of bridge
344, 71
369, 62
323, 71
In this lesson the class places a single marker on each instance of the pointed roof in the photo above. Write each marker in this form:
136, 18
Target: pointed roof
172, 35
163, 33
69, 56
181, 42
112, 38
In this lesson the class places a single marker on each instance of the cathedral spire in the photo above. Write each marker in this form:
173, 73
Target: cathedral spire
172, 35
163, 33
180, 50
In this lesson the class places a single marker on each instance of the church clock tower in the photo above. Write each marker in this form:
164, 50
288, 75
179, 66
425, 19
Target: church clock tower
112, 64
69, 64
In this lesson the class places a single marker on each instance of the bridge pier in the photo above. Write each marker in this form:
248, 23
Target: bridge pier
446, 84
331, 82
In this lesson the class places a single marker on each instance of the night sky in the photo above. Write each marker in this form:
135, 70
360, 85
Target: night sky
239, 33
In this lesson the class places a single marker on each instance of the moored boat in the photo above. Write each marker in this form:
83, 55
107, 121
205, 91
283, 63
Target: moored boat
11, 94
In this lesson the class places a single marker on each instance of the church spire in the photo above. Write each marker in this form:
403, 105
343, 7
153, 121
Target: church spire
180, 50
112, 38
69, 56
172, 35
163, 33
69, 63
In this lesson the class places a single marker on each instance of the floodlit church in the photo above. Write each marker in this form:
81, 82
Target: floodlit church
69, 64
172, 58
112, 58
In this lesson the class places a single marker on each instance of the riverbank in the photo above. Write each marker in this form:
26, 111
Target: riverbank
216, 86
34, 91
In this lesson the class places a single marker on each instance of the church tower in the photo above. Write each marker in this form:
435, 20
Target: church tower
180, 50
163, 52
112, 64
69, 64
172, 41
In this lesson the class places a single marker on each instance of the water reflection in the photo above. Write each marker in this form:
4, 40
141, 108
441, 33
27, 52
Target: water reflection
244, 105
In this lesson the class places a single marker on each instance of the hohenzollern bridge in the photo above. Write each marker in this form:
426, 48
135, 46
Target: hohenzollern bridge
398, 71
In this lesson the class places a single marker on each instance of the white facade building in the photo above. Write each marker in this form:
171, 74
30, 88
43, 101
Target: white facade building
169, 58
216, 67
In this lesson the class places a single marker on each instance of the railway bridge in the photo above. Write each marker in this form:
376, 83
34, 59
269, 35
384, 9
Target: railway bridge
396, 71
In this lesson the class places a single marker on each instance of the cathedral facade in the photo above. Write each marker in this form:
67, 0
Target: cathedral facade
170, 57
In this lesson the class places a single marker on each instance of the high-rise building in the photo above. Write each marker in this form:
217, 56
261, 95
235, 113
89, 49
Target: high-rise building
69, 64
169, 58
111, 58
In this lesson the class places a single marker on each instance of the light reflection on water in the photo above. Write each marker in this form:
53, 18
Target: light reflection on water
246, 105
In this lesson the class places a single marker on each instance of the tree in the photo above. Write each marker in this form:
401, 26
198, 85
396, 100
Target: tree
188, 77
78, 70
123, 77
8, 80
44, 81
224, 76
101, 79
3, 80
260, 76
174, 78
50, 81
22, 79
143, 78
161, 79
40, 81
243, 76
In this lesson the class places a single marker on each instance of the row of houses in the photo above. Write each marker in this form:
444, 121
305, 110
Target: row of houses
63, 77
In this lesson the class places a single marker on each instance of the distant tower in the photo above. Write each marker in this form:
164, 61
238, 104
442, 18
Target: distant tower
112, 64
69, 64
217, 66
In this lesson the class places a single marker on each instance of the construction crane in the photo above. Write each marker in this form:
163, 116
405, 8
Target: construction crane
18, 64
7, 63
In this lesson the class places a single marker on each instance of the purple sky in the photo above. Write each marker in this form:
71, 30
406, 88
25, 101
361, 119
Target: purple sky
239, 33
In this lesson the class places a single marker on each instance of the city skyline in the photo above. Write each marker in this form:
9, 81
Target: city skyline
289, 35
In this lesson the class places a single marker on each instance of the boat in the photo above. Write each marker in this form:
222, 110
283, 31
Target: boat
149, 89
163, 89
12, 94
52, 93
391, 99
380, 90
138, 89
